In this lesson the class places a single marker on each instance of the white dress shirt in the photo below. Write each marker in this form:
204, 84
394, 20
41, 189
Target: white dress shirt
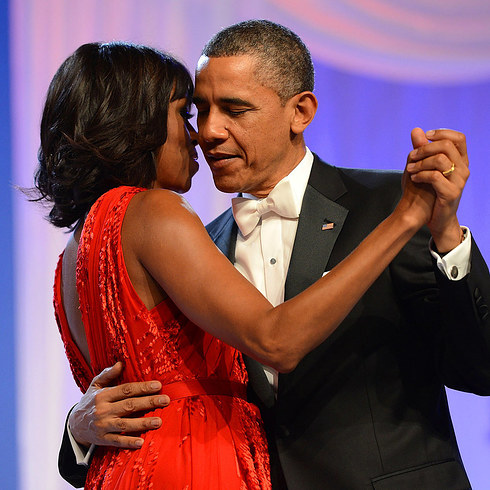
263, 255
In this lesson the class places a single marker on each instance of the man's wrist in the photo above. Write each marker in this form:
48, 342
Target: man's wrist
449, 238
456, 263
462, 236
82, 453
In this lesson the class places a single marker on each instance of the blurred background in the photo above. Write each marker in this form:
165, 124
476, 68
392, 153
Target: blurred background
382, 68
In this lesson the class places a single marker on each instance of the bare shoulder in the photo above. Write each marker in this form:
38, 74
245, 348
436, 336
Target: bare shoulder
159, 206
159, 213
161, 200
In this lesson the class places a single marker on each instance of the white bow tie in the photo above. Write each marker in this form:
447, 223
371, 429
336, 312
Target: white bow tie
247, 212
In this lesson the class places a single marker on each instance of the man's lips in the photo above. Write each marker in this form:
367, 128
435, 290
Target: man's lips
218, 160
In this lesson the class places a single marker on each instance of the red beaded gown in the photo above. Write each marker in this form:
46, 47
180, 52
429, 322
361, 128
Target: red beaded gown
211, 437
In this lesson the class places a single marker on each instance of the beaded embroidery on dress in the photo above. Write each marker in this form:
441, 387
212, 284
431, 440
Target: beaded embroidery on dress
206, 441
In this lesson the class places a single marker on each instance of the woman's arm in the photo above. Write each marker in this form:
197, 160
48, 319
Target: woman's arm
165, 237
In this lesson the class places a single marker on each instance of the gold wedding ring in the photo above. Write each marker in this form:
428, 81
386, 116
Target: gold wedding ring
448, 172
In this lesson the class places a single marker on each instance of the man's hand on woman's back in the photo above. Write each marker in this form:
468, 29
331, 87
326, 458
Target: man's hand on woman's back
105, 415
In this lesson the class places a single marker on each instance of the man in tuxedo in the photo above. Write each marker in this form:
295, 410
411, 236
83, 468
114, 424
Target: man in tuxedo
367, 408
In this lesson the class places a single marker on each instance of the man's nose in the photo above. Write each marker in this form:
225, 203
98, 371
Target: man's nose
211, 127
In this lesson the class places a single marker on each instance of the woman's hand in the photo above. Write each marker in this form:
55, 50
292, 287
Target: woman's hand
417, 202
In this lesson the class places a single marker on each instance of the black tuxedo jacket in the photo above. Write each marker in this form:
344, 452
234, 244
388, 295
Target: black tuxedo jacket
367, 408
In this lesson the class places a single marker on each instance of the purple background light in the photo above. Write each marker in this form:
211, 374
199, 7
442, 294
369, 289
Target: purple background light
383, 67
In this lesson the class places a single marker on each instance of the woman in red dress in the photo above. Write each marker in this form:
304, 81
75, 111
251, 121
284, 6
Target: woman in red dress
141, 282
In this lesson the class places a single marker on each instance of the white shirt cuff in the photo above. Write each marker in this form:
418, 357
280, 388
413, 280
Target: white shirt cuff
82, 455
457, 263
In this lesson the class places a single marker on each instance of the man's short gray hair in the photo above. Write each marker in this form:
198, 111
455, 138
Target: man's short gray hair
283, 61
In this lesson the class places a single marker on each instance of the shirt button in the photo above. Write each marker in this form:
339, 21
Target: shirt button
272, 261
454, 272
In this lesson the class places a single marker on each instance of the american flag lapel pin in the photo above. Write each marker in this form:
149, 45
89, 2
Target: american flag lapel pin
327, 225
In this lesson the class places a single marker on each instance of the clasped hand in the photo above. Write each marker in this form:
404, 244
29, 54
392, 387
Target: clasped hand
438, 168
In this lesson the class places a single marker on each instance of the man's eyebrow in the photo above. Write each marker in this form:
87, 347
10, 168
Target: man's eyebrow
235, 101
225, 100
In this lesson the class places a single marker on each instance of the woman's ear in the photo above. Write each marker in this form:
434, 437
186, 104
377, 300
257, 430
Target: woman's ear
304, 107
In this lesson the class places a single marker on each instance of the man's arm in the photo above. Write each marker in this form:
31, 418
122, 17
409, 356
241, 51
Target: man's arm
464, 358
74, 473
458, 308
105, 417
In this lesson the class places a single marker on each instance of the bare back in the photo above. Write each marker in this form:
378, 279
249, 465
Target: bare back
71, 304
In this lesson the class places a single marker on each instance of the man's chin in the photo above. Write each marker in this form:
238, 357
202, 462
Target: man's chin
227, 185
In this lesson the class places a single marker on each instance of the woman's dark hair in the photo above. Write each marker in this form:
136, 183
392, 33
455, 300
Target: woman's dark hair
105, 114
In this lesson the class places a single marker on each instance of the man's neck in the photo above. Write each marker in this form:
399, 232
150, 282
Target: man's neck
298, 178
286, 169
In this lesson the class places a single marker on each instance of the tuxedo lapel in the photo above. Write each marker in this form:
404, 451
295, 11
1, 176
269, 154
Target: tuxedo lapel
320, 223
223, 231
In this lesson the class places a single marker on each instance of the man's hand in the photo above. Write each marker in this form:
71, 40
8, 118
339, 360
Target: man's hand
104, 412
442, 163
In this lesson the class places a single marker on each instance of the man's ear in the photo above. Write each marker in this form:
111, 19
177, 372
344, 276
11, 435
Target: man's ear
304, 107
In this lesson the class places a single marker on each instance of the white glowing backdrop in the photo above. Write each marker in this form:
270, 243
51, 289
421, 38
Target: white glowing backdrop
383, 66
